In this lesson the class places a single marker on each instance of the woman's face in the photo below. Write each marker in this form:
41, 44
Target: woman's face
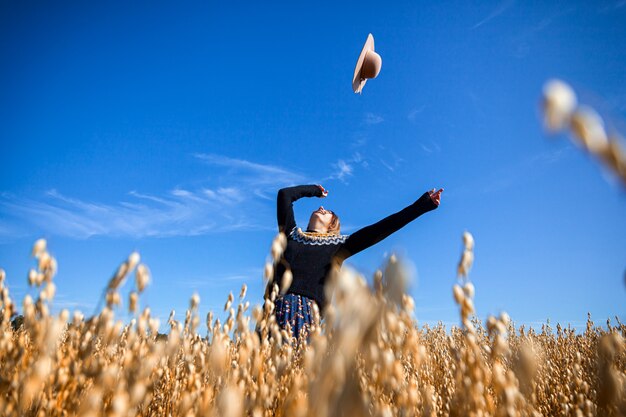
320, 220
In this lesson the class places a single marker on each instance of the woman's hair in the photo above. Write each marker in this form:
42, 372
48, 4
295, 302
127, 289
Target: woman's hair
335, 224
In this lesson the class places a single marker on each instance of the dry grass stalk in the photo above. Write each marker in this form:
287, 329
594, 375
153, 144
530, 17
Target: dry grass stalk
561, 111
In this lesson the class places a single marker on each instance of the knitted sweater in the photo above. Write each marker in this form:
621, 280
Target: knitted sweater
310, 255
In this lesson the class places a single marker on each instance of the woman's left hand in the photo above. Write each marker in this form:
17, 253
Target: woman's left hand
435, 196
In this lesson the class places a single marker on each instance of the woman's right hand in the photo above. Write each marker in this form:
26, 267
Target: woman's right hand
324, 191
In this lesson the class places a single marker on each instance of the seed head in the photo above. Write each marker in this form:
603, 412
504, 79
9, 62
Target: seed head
194, 302
408, 304
281, 238
559, 102
277, 250
39, 247
119, 277
32, 277
504, 318
468, 241
132, 302
467, 259
286, 282
142, 277
50, 290
588, 127
458, 294
133, 260
77, 318
615, 156
28, 301
269, 271
44, 261
113, 298
64, 315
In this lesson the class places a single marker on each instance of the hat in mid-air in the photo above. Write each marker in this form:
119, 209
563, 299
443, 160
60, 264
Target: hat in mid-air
367, 66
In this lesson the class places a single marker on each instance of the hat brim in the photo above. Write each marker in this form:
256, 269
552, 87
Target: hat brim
357, 82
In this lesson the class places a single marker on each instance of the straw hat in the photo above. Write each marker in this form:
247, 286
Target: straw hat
367, 66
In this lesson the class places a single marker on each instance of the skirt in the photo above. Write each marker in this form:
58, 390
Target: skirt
294, 312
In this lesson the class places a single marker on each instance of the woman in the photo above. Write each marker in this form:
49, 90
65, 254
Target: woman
309, 255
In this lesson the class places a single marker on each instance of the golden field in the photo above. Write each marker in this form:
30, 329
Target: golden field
367, 357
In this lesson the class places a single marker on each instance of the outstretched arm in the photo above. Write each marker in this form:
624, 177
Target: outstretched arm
372, 234
285, 200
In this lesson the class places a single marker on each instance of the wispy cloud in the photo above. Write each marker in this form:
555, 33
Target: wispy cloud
345, 167
373, 119
359, 141
386, 165
414, 112
9, 231
430, 146
392, 160
224, 195
359, 159
178, 212
263, 173
342, 170
501, 8
261, 180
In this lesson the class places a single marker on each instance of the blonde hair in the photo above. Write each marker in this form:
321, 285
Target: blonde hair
335, 224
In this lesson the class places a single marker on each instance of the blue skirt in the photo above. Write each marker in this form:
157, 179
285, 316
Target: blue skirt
297, 312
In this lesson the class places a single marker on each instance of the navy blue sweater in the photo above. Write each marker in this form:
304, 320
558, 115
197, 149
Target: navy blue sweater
310, 256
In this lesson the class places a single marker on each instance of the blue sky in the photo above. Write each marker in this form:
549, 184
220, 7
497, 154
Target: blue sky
168, 128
